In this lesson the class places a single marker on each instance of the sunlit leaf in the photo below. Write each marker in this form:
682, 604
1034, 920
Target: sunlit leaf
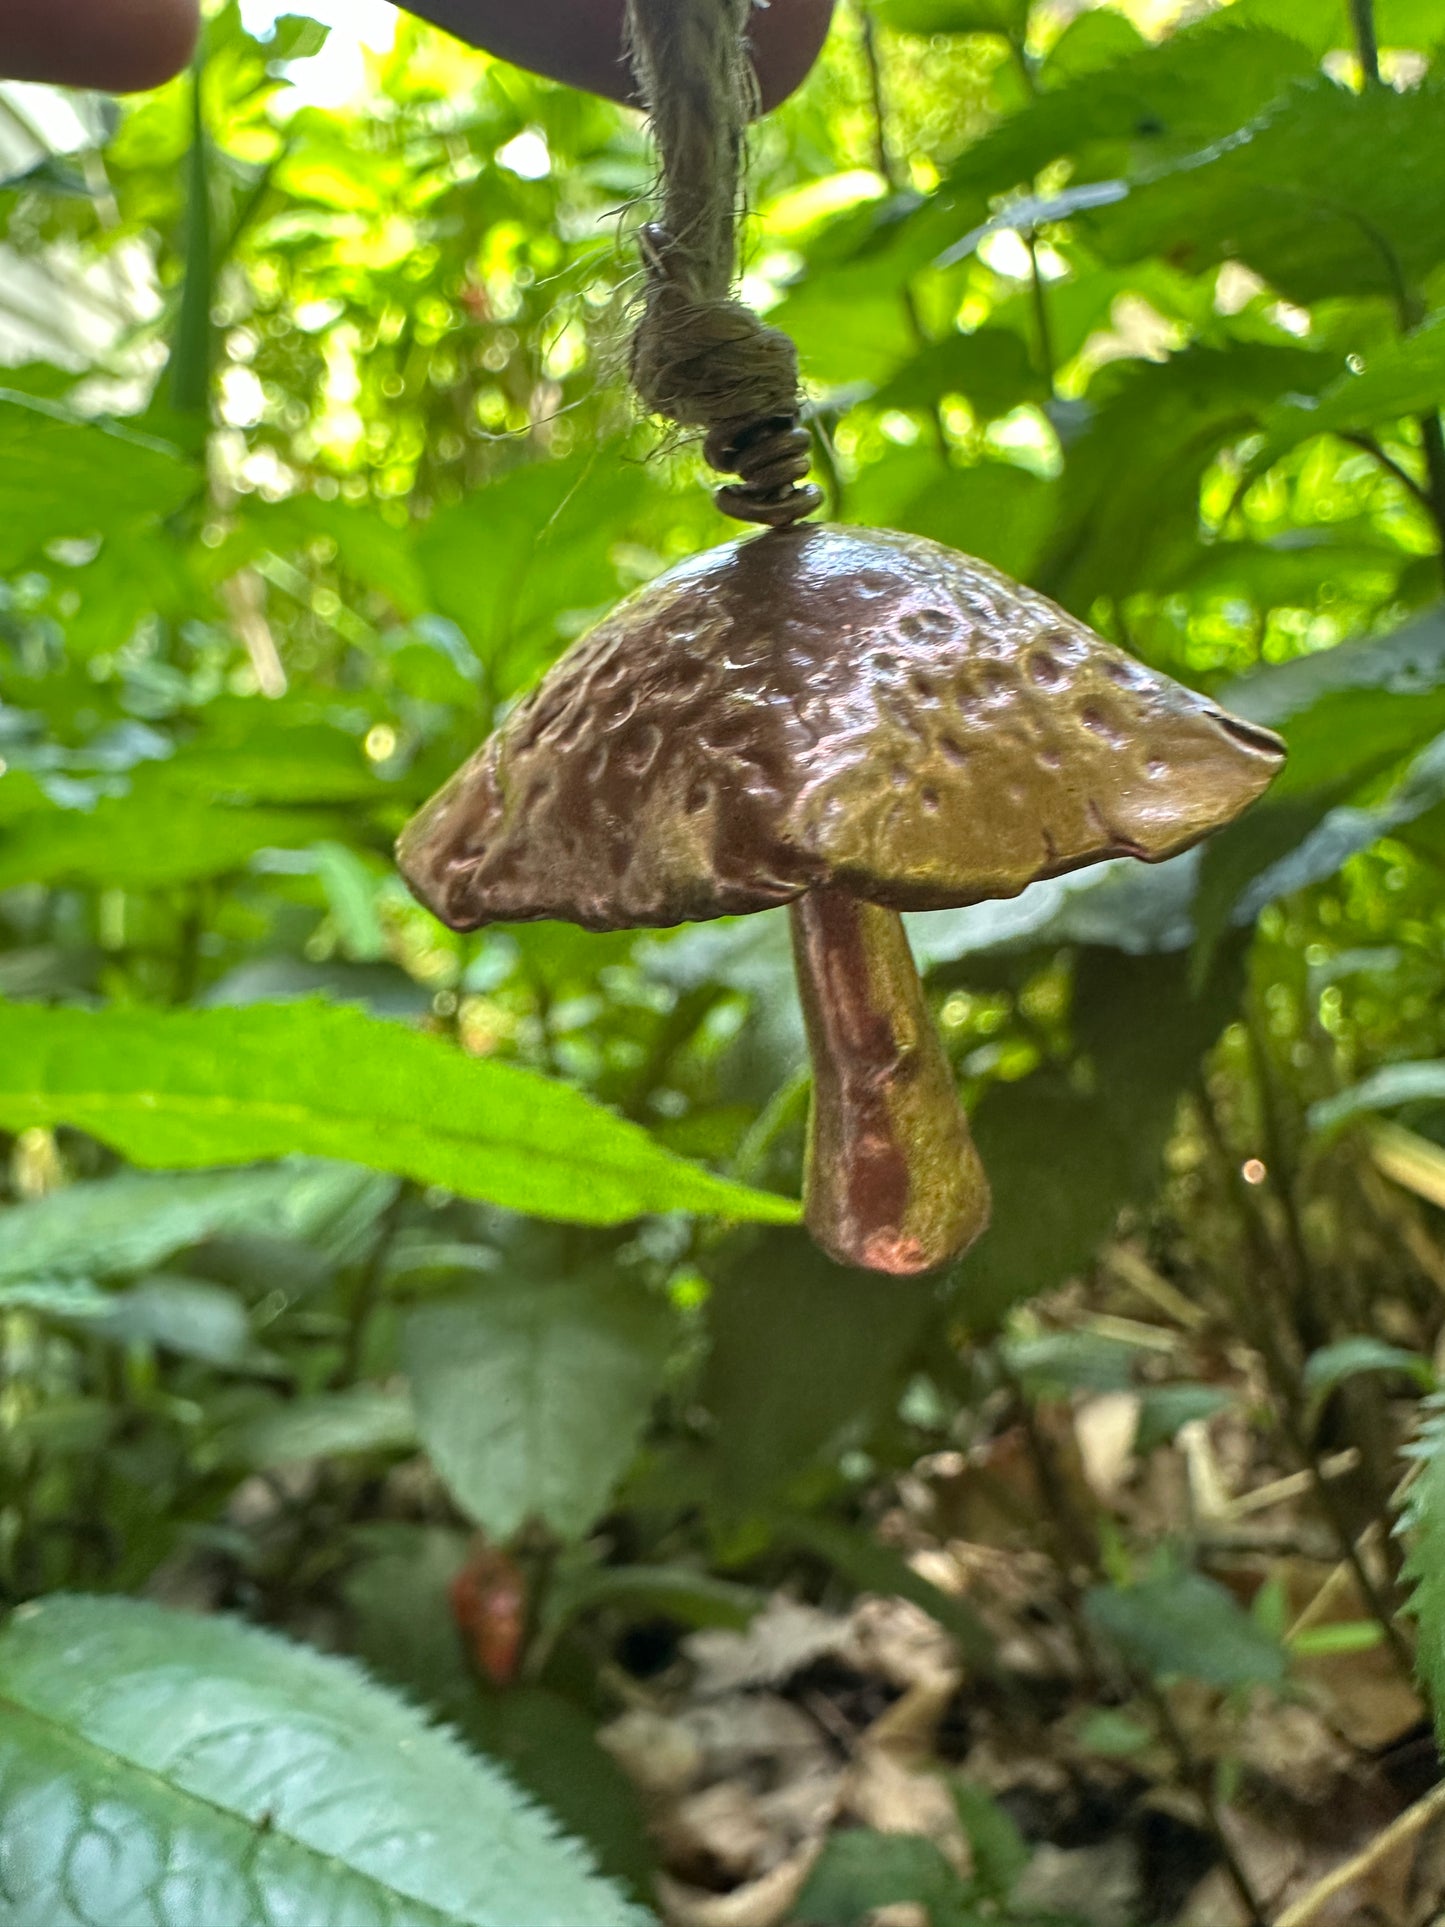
193, 1088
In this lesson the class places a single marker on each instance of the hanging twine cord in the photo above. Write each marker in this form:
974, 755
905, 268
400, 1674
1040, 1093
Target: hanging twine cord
700, 357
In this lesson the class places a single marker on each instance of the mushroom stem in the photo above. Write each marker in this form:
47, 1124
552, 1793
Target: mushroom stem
893, 1181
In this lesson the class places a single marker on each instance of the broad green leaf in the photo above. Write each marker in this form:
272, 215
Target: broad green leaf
994, 510
1007, 17
991, 368
1326, 26
532, 547
396, 1592
116, 1226
1094, 40
998, 1850
188, 1316
775, 1302
364, 1418
186, 1089
159, 1769
1348, 1357
63, 1298
1063, 1158
1383, 1090
531, 1395
1165, 99
1131, 526
860, 1871
1164, 1410
1185, 1626
147, 842
1406, 376
63, 476
1327, 193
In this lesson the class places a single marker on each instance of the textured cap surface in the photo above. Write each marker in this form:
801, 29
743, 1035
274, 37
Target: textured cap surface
825, 705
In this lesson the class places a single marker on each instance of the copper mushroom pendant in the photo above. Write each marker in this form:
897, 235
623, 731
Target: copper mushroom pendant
852, 723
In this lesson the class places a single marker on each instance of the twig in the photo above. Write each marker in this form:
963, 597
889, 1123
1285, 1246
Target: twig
1318, 1904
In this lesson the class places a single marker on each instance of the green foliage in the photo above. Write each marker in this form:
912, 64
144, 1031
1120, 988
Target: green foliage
136, 1743
212, 1087
1423, 1521
1182, 1625
531, 1394
1154, 325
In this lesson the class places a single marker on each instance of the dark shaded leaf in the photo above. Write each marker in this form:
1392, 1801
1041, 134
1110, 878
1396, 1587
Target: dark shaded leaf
1184, 1626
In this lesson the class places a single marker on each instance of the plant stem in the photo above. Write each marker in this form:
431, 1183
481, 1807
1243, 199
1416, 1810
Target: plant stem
883, 161
1362, 19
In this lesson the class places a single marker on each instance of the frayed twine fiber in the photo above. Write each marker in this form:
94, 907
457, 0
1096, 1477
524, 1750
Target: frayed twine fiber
700, 357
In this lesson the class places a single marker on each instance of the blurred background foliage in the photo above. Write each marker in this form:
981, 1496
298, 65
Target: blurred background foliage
315, 450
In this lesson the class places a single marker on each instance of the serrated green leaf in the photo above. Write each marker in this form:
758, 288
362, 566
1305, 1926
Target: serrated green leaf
1327, 193
1424, 1525
63, 476
1166, 99
116, 1226
186, 1089
162, 1769
1406, 376
531, 1396
1122, 527
1185, 1626
144, 842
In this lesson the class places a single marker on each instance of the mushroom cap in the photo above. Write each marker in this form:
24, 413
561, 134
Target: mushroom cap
825, 705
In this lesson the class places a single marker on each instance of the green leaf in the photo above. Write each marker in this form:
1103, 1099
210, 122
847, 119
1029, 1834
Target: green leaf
860, 1871
1347, 1357
533, 545
1164, 1411
1185, 1626
1327, 193
1000, 1852
1405, 376
776, 1302
185, 1089
187, 1316
1007, 17
531, 1396
63, 476
1166, 99
126, 1224
1404, 1083
396, 1594
63, 1298
1064, 1158
992, 368
157, 1769
144, 842
1424, 1526
364, 1418
1135, 525
1325, 26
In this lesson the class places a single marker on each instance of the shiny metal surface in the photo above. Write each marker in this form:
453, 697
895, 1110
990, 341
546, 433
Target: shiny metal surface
856, 723
825, 705
893, 1181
